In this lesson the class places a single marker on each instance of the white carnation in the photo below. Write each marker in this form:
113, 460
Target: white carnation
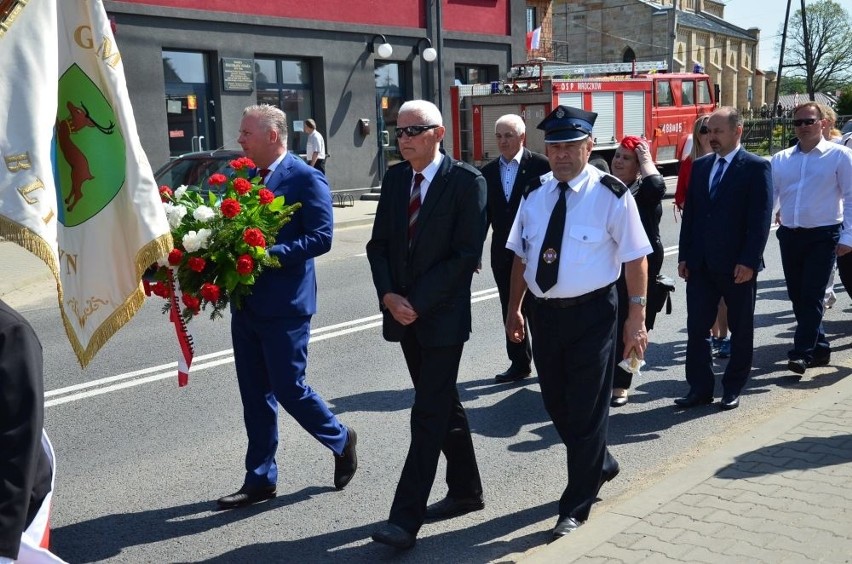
175, 214
204, 237
191, 241
203, 213
181, 191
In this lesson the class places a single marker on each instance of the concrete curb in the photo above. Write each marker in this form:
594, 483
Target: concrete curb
601, 529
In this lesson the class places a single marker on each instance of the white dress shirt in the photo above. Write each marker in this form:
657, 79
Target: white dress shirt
602, 231
814, 189
428, 174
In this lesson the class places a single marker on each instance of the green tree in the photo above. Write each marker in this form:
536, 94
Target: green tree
793, 85
844, 102
828, 44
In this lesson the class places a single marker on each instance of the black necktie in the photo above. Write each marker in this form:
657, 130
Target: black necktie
548, 262
717, 178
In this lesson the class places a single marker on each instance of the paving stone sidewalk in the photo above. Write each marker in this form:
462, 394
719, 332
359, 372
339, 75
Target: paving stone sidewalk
780, 492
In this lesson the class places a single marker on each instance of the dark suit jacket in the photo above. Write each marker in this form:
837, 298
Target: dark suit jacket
292, 289
24, 467
732, 228
501, 214
435, 272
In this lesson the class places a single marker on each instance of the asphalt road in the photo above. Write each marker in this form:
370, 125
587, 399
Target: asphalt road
141, 461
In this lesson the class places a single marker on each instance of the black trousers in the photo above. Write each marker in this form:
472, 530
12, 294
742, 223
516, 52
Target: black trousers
703, 290
844, 270
438, 424
807, 256
574, 352
320, 165
520, 354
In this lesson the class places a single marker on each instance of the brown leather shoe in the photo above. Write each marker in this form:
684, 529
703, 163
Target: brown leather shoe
246, 495
346, 464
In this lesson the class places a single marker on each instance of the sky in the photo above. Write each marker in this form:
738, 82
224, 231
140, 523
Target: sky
768, 15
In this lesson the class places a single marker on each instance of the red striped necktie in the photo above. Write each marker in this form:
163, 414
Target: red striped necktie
414, 205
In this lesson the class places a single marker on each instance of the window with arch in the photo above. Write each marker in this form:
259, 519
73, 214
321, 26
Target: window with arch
629, 56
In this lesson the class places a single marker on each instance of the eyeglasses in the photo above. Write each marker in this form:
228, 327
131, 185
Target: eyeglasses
413, 130
801, 122
703, 130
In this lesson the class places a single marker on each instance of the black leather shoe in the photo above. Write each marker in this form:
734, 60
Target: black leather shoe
246, 495
618, 400
452, 507
823, 361
346, 464
729, 401
394, 535
693, 400
512, 375
563, 527
797, 365
607, 478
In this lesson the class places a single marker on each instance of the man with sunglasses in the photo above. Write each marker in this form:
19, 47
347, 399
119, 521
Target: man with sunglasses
813, 194
426, 244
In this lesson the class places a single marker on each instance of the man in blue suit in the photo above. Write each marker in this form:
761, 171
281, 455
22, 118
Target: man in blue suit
270, 332
725, 227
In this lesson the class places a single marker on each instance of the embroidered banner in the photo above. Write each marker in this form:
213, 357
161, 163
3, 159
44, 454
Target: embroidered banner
76, 188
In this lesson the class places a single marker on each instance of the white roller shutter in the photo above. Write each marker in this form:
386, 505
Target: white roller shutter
603, 103
571, 99
634, 113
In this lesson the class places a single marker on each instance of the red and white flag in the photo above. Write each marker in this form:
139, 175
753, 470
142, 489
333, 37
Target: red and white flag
534, 39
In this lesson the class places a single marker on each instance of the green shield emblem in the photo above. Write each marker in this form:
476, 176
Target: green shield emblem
90, 150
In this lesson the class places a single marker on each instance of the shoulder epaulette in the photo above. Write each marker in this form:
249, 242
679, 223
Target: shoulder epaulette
533, 184
468, 167
615, 185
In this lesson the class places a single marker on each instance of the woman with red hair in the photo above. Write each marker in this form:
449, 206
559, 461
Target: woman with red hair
632, 164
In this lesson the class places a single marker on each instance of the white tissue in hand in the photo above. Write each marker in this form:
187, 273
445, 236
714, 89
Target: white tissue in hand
633, 364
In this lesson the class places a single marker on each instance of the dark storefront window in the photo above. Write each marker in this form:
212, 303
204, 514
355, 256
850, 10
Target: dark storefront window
390, 94
286, 83
475, 74
191, 121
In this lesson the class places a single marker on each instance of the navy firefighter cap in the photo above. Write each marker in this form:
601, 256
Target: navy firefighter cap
567, 124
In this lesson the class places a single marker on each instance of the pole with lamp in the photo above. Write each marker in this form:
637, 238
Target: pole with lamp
424, 48
383, 50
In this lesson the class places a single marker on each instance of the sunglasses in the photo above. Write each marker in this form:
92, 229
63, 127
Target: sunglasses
703, 130
413, 130
801, 122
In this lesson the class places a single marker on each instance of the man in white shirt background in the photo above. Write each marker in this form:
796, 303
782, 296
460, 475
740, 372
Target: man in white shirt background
813, 195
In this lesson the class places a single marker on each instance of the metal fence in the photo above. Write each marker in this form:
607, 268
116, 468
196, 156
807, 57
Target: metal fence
756, 133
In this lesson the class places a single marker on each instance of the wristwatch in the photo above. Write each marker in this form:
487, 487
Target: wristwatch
641, 300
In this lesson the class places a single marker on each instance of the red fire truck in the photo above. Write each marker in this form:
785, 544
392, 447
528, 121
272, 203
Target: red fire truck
630, 99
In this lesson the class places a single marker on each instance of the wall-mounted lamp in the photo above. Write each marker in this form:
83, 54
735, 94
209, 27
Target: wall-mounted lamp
429, 54
384, 50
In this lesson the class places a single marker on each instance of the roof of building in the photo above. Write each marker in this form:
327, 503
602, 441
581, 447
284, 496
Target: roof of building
793, 100
712, 24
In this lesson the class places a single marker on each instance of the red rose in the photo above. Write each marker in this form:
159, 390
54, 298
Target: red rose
230, 207
245, 265
175, 256
242, 186
210, 292
254, 237
217, 178
191, 302
242, 163
166, 193
196, 263
160, 289
265, 196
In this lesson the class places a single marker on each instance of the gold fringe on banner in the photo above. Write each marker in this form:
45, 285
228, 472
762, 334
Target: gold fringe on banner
147, 255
